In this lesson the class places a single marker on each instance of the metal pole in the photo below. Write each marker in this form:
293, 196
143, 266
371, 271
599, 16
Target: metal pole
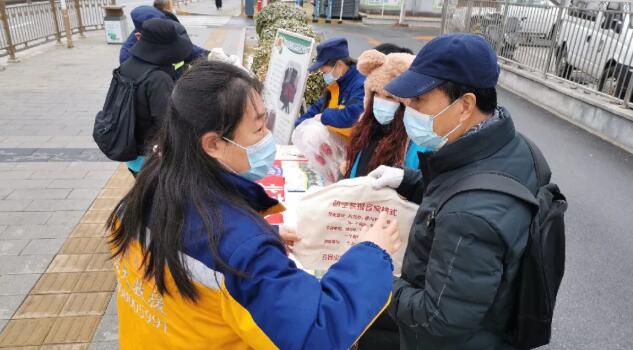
552, 46
629, 90
58, 34
340, 17
382, 13
79, 21
444, 15
7, 34
315, 11
66, 18
401, 19
467, 22
500, 43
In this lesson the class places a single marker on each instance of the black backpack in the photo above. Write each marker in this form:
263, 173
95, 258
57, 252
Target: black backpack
543, 262
114, 124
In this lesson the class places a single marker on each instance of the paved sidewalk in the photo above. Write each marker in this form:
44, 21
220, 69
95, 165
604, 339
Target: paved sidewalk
56, 190
50, 173
72, 303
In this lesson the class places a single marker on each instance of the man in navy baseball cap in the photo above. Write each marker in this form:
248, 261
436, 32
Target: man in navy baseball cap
460, 273
451, 88
464, 59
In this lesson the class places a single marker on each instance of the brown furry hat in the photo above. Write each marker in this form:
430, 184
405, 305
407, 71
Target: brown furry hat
380, 69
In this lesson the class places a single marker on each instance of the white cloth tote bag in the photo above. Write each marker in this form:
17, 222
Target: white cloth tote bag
330, 220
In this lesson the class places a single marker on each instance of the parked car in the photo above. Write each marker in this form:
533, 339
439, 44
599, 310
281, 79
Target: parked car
595, 39
537, 17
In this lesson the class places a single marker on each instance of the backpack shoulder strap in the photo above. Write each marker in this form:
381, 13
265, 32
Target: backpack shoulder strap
145, 75
116, 73
543, 172
489, 181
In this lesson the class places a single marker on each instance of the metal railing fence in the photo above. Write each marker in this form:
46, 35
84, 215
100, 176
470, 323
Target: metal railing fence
29, 24
586, 44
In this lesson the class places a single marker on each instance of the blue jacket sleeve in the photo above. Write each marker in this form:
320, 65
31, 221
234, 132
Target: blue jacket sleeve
349, 113
293, 309
312, 111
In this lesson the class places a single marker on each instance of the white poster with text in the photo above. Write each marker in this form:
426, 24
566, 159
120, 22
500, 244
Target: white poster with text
285, 82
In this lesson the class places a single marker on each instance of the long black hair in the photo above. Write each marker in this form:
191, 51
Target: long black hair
179, 176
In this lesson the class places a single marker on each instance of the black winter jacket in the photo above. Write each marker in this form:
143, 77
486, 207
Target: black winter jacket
152, 97
457, 287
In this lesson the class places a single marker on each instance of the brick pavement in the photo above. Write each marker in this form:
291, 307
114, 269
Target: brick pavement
71, 304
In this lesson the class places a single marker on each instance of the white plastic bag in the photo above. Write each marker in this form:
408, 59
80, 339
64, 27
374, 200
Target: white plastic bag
330, 220
217, 53
324, 149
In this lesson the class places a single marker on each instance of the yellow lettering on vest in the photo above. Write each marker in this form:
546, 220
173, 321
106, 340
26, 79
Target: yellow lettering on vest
133, 294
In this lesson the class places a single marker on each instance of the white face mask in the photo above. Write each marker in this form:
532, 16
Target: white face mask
260, 157
329, 76
419, 127
384, 110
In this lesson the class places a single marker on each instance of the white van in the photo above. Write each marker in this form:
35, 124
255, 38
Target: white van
537, 17
595, 38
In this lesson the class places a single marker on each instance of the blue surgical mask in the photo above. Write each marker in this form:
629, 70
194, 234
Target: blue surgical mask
384, 110
329, 78
260, 157
419, 127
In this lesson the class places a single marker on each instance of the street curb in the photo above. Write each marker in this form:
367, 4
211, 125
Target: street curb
332, 21
599, 117
187, 13
424, 22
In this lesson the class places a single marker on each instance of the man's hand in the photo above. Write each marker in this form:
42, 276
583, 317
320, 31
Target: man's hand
386, 176
318, 117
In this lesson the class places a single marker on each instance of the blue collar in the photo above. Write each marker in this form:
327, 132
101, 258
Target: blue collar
348, 76
252, 193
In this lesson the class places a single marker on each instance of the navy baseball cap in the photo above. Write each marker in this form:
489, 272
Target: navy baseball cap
465, 59
331, 49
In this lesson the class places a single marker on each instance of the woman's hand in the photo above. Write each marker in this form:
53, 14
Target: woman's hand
289, 236
343, 168
384, 234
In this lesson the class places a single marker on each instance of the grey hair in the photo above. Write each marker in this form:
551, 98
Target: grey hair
161, 4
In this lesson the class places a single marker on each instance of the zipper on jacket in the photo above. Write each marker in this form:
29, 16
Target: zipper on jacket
430, 221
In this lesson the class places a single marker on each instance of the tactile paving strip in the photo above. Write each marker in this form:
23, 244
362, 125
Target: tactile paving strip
64, 308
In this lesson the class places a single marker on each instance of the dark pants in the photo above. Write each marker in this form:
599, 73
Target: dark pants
382, 335
218, 4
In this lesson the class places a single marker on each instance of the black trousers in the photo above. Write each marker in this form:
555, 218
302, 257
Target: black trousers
382, 335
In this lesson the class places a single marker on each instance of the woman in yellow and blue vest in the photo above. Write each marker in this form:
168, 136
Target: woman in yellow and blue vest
342, 102
197, 265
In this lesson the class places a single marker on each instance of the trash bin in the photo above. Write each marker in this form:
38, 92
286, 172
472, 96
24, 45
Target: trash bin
115, 24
